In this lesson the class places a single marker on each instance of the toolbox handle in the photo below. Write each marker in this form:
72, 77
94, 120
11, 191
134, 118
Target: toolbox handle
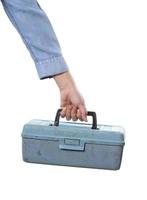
89, 113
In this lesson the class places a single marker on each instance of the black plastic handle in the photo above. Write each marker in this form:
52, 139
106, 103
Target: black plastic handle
89, 113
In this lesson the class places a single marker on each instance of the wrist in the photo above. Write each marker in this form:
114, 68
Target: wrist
64, 81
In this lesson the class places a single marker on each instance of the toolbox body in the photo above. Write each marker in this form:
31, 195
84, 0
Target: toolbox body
73, 144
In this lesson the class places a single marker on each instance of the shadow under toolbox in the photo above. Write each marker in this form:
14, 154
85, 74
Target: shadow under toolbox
73, 144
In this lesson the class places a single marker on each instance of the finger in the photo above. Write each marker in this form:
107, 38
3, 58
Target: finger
83, 111
64, 103
68, 112
79, 115
63, 112
74, 113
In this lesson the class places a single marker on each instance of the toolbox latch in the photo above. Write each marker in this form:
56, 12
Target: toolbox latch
72, 144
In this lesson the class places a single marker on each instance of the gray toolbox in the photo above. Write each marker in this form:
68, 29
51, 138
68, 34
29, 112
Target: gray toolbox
73, 143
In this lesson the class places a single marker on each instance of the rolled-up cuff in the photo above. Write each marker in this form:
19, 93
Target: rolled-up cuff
50, 67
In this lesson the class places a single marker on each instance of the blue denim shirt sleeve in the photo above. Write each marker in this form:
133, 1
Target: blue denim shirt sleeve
37, 33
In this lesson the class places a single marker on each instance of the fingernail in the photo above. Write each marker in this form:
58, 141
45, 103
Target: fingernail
85, 119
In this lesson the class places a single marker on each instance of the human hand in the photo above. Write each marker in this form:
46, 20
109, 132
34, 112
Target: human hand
72, 102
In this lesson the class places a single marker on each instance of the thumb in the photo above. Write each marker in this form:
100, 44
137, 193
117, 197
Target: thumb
63, 103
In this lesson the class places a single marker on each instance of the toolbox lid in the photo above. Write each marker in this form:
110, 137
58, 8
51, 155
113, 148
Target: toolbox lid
45, 130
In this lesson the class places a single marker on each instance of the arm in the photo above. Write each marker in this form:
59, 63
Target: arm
36, 31
38, 35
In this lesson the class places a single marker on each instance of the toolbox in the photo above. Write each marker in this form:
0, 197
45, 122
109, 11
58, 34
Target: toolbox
72, 143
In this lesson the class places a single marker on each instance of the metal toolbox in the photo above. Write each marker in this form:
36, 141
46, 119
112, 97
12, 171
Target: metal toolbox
72, 143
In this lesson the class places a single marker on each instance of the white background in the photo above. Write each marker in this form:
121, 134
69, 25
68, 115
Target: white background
105, 46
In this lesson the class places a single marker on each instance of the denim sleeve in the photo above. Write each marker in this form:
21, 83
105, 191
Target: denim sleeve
38, 35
